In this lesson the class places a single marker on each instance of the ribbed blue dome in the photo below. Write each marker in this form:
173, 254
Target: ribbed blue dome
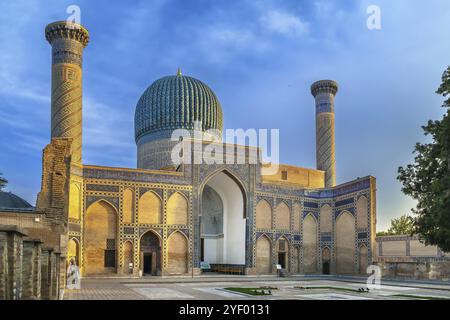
9, 200
176, 102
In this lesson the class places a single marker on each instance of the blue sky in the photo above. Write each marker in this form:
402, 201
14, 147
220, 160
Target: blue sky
260, 57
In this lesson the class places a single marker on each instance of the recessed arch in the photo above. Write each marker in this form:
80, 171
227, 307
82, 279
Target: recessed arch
326, 260
150, 208
232, 176
177, 253
263, 215
282, 250
229, 246
150, 253
73, 250
362, 218
105, 202
263, 255
100, 237
156, 234
310, 241
283, 216
177, 209
297, 214
128, 257
75, 201
326, 218
363, 259
345, 243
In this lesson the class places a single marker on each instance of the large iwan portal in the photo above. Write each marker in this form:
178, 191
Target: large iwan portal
223, 221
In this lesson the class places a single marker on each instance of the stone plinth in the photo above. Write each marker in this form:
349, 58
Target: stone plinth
31, 269
11, 244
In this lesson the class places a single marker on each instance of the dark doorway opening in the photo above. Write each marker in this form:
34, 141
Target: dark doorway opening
150, 263
202, 249
282, 259
326, 267
147, 263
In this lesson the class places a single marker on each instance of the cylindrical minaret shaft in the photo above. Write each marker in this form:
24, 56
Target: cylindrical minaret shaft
324, 92
68, 41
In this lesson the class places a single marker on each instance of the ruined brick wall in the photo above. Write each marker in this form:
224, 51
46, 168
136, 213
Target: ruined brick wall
53, 197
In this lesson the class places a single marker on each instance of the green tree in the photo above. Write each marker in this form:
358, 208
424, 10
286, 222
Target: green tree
3, 182
403, 225
428, 179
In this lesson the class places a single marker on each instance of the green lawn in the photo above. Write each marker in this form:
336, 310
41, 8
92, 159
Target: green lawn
331, 288
420, 297
252, 291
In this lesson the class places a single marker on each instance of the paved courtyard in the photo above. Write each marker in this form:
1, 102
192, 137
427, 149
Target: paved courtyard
212, 288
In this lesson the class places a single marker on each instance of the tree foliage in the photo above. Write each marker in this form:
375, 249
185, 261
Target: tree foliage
3, 182
403, 225
428, 179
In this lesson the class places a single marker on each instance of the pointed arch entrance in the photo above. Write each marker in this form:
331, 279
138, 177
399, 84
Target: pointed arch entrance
223, 220
150, 254
100, 234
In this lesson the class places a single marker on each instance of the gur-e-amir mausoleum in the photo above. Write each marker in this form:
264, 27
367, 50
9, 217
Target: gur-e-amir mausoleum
166, 219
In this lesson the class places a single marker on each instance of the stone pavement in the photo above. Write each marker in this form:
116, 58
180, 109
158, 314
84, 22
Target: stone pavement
212, 288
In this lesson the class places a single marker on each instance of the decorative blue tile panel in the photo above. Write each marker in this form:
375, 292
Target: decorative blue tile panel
362, 235
343, 202
308, 204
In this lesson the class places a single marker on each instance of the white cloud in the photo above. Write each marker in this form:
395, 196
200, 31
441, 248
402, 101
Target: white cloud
230, 37
101, 124
284, 23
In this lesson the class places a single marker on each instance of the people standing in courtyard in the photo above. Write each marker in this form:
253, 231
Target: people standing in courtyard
73, 276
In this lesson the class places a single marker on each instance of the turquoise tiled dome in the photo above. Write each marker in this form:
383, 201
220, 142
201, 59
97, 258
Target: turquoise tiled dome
176, 102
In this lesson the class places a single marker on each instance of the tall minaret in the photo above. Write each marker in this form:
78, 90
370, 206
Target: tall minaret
68, 41
324, 92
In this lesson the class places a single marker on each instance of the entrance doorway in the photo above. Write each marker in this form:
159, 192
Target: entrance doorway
147, 263
150, 254
223, 221
326, 260
282, 259
326, 267
283, 253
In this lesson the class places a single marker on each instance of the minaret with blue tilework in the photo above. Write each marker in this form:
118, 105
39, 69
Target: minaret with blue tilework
324, 92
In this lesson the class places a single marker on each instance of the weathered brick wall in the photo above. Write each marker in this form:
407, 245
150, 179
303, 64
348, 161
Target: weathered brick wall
296, 176
33, 224
424, 269
37, 280
403, 256
31, 284
46, 288
28, 269
3, 265
53, 197
11, 245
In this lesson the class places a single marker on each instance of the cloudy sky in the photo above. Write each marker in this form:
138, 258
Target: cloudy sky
260, 57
